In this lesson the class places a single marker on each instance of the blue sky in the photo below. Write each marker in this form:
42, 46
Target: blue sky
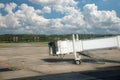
59, 16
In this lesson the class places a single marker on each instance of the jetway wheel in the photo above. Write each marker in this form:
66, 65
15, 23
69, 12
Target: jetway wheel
77, 62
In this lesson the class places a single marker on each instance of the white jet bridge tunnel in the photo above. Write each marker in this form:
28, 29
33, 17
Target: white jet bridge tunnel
76, 46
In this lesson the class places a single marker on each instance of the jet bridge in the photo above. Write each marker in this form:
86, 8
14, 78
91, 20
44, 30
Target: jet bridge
76, 46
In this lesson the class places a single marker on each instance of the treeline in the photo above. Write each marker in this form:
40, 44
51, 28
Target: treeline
22, 38
45, 38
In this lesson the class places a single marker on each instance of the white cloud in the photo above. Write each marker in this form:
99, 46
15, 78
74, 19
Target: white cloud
9, 21
57, 5
101, 19
74, 20
10, 7
54, 2
46, 10
2, 19
29, 16
27, 19
2, 5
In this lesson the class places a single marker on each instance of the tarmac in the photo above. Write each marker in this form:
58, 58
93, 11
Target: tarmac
31, 61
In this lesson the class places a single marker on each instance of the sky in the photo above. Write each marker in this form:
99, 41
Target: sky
59, 17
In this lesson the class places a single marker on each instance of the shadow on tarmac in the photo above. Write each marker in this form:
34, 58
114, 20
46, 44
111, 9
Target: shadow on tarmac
52, 60
105, 73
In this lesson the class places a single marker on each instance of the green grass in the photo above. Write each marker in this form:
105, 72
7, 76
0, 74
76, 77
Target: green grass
34, 44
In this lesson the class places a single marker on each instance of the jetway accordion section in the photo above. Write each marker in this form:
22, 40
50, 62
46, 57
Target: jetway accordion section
66, 46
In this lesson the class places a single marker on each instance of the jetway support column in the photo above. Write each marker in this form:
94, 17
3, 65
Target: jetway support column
77, 56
